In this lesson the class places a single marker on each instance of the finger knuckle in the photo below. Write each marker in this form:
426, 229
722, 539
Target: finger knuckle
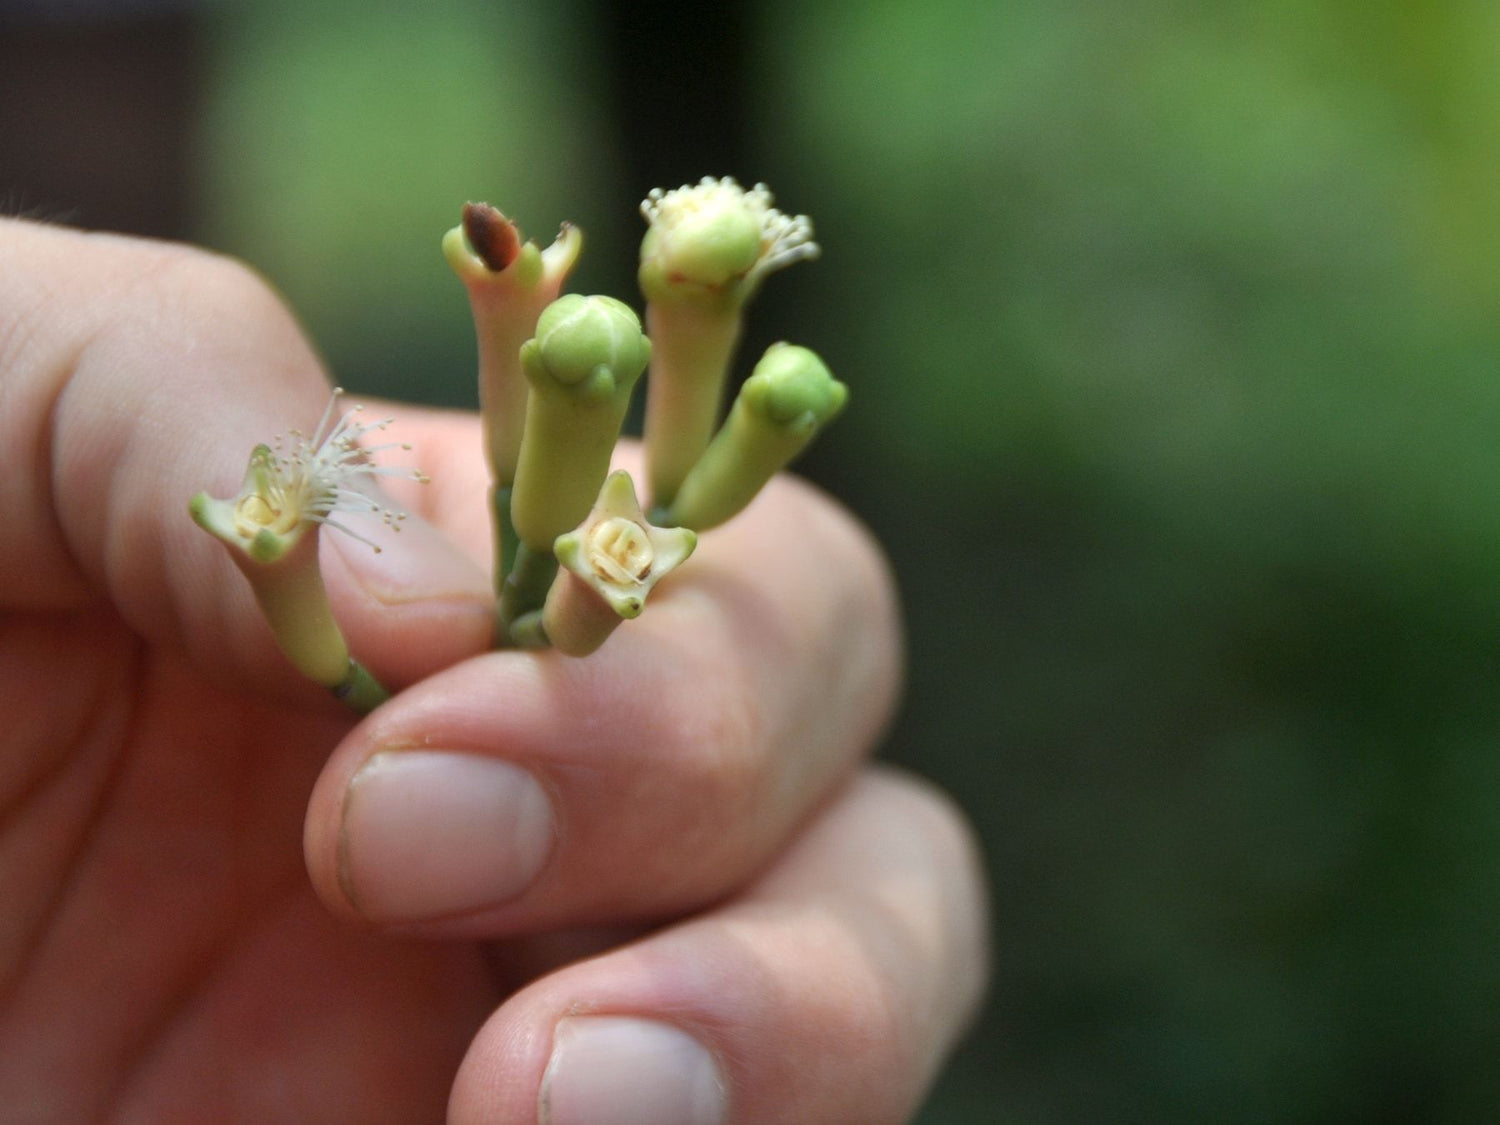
190, 285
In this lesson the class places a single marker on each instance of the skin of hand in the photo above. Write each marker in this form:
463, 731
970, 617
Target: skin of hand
661, 883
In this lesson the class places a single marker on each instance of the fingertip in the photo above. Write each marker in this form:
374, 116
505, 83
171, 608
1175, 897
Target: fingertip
830, 991
410, 601
616, 1070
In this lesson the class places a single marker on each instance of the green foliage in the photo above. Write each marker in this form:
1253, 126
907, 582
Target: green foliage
1181, 320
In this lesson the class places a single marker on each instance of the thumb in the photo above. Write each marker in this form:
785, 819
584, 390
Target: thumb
135, 374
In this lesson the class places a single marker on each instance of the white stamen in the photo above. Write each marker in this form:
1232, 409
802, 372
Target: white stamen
313, 478
784, 239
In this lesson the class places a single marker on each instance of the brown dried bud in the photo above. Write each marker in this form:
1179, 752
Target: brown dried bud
494, 238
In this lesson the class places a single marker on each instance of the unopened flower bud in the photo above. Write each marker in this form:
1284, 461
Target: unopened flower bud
788, 398
590, 343
793, 389
583, 364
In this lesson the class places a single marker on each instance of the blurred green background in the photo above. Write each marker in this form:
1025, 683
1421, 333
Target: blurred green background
1174, 337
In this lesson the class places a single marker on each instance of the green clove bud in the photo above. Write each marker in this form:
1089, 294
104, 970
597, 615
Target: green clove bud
787, 400
582, 365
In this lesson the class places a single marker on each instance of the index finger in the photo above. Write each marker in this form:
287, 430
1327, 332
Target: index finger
134, 374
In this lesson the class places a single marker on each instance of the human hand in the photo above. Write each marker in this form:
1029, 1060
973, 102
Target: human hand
655, 885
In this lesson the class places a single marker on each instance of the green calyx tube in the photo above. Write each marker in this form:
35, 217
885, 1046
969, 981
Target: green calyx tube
283, 572
586, 357
509, 282
693, 344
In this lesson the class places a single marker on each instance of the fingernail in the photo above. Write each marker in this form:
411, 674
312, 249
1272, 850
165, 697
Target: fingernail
618, 1070
430, 833
413, 563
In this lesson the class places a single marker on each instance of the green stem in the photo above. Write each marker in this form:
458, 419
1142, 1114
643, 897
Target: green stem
506, 542
692, 346
291, 594
510, 542
360, 691
524, 591
529, 632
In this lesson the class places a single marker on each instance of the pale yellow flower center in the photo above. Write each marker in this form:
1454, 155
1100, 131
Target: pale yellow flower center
253, 513
619, 551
